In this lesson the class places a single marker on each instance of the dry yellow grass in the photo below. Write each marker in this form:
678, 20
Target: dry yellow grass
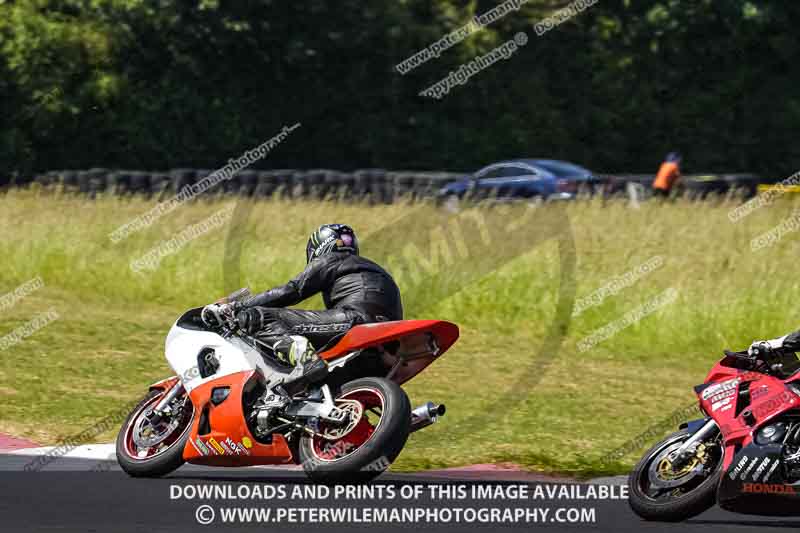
565, 408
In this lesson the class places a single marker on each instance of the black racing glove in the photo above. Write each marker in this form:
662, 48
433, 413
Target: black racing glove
762, 348
216, 315
251, 320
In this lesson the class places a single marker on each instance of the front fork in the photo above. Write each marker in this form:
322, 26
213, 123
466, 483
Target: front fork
682, 455
162, 407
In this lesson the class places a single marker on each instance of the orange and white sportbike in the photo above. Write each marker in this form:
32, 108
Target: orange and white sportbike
221, 409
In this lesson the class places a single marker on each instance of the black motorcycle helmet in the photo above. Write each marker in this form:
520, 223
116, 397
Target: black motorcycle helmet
329, 238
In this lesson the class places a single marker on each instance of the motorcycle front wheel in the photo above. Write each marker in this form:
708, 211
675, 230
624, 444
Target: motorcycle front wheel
660, 492
148, 450
378, 424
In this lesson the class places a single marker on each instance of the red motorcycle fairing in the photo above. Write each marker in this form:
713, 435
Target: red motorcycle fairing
164, 384
742, 402
219, 434
421, 342
737, 414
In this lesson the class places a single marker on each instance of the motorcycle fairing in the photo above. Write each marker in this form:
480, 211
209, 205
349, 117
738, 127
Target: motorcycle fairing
225, 439
755, 483
164, 384
722, 400
219, 433
741, 402
418, 344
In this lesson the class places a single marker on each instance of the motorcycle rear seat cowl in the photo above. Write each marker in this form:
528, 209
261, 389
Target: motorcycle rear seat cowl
420, 340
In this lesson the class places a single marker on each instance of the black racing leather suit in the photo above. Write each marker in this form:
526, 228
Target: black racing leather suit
355, 291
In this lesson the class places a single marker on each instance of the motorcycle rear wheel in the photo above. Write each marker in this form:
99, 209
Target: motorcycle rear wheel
377, 435
696, 495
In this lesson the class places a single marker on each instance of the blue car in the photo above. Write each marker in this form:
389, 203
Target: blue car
521, 179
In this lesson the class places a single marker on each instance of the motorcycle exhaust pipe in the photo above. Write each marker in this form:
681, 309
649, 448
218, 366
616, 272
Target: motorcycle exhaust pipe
425, 415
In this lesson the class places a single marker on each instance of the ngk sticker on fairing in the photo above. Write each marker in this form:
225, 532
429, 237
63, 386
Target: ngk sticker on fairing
227, 447
237, 448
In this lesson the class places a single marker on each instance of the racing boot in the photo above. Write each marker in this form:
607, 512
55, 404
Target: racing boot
308, 367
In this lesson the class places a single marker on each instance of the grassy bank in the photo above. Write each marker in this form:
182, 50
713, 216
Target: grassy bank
568, 407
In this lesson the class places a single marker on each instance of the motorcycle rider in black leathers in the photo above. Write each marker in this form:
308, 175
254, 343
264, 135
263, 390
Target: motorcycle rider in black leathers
355, 291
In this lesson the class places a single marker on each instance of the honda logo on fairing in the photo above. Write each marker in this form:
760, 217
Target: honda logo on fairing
768, 488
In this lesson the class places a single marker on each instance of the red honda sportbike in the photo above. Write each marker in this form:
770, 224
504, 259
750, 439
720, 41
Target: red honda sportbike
218, 409
745, 455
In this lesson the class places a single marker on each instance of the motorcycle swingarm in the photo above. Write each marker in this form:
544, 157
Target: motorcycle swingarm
312, 408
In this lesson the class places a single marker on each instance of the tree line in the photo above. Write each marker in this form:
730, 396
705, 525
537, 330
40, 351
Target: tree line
149, 84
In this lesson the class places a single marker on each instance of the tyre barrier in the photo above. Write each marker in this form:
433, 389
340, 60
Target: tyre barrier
370, 185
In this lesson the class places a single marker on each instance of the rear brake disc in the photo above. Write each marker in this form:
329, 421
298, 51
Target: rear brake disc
349, 410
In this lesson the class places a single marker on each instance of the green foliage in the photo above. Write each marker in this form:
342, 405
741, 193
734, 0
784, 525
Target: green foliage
145, 84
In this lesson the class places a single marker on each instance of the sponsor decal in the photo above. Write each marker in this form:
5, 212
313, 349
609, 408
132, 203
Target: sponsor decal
202, 448
721, 403
739, 466
247, 443
727, 394
216, 446
771, 470
322, 245
719, 388
236, 447
228, 451
768, 488
761, 468
758, 393
767, 406
727, 385
749, 468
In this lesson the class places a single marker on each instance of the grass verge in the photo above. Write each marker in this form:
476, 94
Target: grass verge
579, 406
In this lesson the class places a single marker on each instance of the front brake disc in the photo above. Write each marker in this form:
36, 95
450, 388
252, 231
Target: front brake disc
145, 435
662, 475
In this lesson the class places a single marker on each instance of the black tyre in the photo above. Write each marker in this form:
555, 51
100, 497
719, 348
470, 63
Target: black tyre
168, 439
140, 183
659, 494
377, 432
84, 182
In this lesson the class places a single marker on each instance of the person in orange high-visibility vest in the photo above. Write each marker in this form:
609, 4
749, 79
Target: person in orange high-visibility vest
667, 175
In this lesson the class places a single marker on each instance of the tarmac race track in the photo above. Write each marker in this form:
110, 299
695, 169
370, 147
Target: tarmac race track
73, 498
